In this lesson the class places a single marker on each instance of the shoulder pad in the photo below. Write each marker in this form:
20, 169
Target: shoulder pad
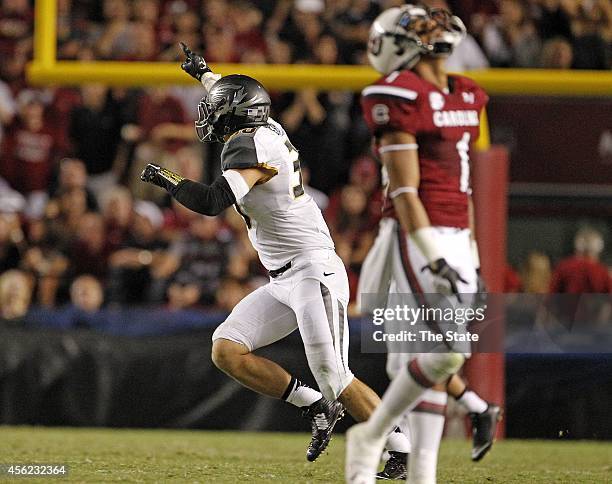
275, 129
401, 85
409, 80
467, 84
239, 151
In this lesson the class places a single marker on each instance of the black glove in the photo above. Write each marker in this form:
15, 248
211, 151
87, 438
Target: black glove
161, 177
441, 269
194, 64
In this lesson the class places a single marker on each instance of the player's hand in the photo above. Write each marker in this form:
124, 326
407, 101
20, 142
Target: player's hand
441, 269
194, 64
161, 177
151, 175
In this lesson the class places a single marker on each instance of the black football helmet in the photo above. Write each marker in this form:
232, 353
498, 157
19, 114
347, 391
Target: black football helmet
234, 102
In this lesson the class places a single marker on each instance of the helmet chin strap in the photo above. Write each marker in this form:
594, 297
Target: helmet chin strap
410, 63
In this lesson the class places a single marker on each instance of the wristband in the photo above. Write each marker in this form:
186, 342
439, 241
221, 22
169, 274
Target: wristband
475, 256
426, 240
398, 191
173, 178
401, 147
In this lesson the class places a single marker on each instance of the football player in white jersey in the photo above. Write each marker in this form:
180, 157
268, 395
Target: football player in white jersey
308, 288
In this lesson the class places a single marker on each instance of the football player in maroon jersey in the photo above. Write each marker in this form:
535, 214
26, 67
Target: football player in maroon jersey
423, 122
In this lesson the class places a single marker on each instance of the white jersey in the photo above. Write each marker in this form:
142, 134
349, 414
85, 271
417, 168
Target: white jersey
283, 221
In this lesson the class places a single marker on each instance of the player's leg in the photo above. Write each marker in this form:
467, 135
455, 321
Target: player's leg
320, 308
365, 441
254, 372
408, 279
359, 399
484, 416
396, 466
468, 399
258, 320
428, 405
427, 418
320, 305
426, 422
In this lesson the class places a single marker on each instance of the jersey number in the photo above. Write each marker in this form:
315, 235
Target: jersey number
297, 186
463, 148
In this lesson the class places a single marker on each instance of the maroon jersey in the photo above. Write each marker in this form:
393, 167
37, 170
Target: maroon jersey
27, 157
444, 124
579, 275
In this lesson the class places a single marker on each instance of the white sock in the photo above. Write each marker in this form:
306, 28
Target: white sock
403, 392
404, 426
398, 442
472, 402
300, 395
426, 424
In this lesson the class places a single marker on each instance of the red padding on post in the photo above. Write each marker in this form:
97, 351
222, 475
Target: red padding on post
484, 372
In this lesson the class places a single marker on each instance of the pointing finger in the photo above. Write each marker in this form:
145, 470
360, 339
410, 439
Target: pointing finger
186, 49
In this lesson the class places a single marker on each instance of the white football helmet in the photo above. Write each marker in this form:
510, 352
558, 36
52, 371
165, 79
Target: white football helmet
453, 32
396, 36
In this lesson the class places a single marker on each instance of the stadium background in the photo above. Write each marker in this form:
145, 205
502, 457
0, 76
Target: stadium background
127, 344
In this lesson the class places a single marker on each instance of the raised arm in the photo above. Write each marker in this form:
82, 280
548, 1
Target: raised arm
195, 65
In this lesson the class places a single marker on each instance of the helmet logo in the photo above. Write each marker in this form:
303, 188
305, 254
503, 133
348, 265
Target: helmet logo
375, 44
259, 114
239, 95
468, 97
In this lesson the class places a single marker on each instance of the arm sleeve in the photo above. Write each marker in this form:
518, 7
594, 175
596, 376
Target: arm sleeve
205, 199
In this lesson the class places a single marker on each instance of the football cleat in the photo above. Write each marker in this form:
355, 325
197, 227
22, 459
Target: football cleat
396, 468
323, 416
362, 455
484, 426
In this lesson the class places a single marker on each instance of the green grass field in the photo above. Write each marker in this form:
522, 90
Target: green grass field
105, 455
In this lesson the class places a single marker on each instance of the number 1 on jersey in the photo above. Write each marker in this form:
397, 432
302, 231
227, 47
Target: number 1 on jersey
463, 148
297, 185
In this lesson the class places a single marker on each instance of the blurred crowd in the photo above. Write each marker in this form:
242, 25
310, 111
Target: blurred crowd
511, 33
583, 272
76, 224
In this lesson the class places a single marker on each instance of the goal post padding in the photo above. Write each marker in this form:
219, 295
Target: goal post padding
485, 372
